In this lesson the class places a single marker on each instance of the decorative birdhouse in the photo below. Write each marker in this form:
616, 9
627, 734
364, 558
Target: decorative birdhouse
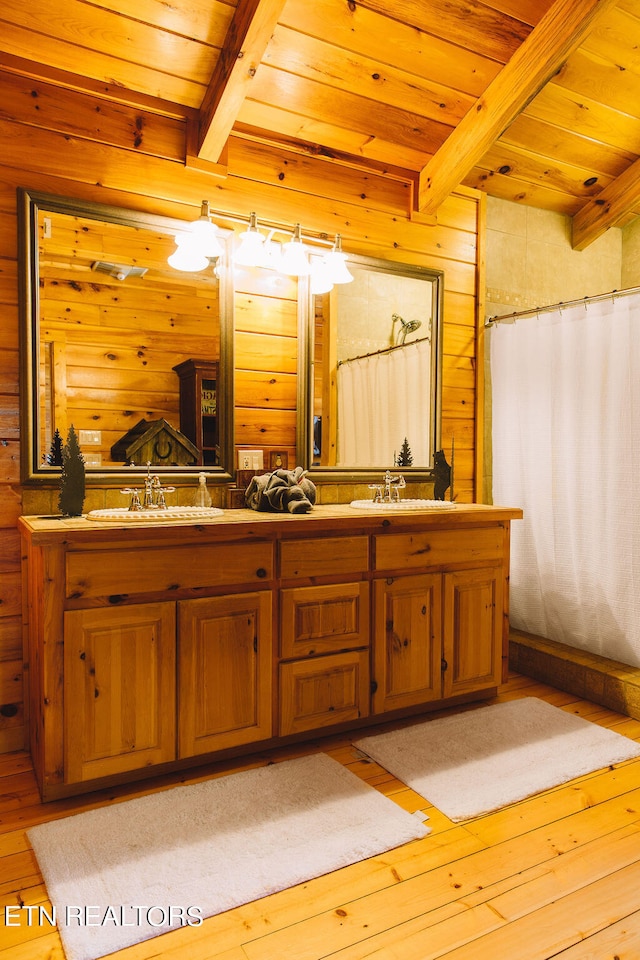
156, 442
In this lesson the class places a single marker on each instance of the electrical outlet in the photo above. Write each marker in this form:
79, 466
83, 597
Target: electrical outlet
250, 459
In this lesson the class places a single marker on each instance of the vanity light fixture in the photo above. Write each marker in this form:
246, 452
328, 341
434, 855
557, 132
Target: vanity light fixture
197, 246
321, 281
330, 269
206, 233
335, 261
187, 257
251, 252
295, 261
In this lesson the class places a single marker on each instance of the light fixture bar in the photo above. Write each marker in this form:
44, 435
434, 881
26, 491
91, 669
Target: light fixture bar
199, 244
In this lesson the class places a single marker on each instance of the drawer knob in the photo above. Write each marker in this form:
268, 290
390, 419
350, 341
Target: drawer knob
261, 573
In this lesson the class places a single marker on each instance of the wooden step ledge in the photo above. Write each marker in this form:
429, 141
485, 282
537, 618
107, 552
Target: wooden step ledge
608, 682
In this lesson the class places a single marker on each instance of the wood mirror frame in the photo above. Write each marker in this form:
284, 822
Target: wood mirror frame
309, 361
34, 469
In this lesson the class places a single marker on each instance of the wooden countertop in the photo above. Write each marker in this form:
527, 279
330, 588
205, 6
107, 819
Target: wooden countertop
251, 524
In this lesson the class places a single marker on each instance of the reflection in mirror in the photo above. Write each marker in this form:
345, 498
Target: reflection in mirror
131, 352
375, 352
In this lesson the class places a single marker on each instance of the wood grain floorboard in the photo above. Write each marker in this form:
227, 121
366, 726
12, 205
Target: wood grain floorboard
554, 876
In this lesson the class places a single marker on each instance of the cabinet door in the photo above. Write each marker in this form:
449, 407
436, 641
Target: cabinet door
119, 689
407, 641
322, 691
472, 630
225, 663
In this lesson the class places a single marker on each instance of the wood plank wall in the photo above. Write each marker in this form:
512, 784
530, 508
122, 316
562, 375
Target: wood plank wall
60, 141
266, 358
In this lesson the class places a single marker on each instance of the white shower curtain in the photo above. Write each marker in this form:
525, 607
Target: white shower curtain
383, 399
566, 448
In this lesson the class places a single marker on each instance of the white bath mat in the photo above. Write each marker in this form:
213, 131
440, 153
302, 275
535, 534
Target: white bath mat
128, 872
480, 760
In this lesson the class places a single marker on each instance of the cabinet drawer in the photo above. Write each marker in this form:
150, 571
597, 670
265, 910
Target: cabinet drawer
92, 573
324, 619
323, 691
324, 556
436, 548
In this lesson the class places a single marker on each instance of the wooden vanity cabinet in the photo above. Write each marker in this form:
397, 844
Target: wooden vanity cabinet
155, 647
121, 712
439, 634
145, 649
324, 665
324, 672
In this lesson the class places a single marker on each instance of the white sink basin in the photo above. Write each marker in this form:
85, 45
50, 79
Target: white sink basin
407, 504
123, 514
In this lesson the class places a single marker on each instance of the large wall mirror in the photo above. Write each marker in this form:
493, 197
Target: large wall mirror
136, 355
371, 378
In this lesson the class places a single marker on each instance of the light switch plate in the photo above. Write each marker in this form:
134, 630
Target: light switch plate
90, 438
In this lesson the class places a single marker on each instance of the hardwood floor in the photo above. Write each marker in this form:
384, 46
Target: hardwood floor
554, 876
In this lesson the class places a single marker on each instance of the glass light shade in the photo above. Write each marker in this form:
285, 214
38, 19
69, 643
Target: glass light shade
337, 269
321, 281
272, 254
197, 246
294, 258
251, 251
335, 261
188, 257
205, 236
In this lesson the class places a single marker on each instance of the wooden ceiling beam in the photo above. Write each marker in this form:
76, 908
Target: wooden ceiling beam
560, 31
249, 33
608, 209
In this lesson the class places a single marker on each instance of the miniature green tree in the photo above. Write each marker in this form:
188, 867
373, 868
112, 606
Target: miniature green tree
54, 457
72, 479
405, 458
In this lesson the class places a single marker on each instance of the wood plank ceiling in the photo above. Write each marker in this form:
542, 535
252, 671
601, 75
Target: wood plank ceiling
535, 101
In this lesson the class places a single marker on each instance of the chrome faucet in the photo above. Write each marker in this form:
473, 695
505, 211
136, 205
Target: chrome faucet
389, 490
153, 497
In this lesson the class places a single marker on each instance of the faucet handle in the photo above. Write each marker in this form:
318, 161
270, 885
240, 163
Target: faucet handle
394, 485
134, 501
378, 495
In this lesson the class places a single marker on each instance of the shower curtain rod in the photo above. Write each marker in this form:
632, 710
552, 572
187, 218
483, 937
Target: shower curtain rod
532, 311
376, 353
